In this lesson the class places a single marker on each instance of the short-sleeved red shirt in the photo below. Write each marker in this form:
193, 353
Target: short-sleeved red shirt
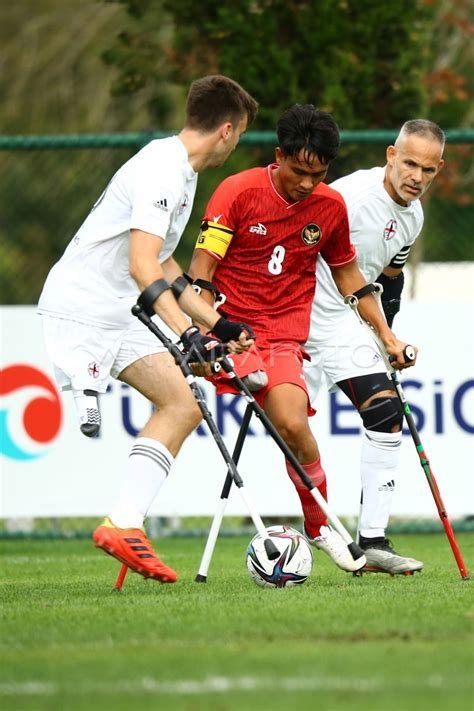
268, 272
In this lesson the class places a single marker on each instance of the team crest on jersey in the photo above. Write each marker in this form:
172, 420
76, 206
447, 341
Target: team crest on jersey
184, 203
390, 230
311, 234
93, 370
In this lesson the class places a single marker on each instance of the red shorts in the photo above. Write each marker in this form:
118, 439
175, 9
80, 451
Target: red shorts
282, 362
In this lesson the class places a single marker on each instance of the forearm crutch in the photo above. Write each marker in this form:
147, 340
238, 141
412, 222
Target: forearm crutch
201, 576
182, 362
232, 473
353, 302
355, 550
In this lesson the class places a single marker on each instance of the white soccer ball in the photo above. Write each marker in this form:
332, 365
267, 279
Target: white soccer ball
293, 565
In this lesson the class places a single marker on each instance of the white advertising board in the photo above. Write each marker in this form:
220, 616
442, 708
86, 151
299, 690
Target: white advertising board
48, 468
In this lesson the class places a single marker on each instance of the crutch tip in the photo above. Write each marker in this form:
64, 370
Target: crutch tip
200, 578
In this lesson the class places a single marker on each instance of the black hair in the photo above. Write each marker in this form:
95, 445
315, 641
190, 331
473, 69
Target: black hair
303, 127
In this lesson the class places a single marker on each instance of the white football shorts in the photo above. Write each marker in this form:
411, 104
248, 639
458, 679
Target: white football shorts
86, 356
347, 352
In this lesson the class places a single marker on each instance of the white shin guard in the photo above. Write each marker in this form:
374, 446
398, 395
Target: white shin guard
379, 461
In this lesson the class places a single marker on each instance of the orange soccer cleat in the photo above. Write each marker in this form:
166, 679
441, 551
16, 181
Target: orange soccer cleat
132, 547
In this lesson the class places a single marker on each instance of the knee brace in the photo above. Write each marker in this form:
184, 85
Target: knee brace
382, 414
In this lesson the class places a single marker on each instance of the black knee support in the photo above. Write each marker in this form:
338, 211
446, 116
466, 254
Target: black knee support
382, 414
364, 387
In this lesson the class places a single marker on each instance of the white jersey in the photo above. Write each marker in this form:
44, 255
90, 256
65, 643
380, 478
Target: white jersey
153, 192
380, 230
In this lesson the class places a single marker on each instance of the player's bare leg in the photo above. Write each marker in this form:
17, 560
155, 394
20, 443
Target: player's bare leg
176, 416
159, 379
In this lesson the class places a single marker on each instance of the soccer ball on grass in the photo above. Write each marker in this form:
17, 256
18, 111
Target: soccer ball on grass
292, 567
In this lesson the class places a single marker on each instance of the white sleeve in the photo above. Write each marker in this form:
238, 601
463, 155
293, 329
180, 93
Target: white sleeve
153, 203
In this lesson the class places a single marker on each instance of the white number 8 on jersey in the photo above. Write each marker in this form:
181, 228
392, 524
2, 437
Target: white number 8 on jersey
275, 265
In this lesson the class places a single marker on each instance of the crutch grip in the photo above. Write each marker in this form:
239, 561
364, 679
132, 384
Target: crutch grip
408, 354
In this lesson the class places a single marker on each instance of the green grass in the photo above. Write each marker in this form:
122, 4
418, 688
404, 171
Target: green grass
338, 643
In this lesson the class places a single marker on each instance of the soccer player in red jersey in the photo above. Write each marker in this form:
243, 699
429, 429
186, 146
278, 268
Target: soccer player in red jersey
262, 231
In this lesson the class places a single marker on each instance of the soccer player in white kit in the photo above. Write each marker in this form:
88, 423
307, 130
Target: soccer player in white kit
385, 218
123, 251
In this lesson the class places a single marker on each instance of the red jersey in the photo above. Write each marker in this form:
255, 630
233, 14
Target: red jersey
268, 273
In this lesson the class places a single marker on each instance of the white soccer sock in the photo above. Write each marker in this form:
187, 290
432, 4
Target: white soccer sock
148, 466
379, 461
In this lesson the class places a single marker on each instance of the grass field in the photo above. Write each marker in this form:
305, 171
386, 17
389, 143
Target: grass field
337, 643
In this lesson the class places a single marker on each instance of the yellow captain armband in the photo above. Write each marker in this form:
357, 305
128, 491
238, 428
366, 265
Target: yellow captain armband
214, 238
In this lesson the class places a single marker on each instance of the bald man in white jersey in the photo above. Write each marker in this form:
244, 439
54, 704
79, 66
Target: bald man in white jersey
385, 218
124, 252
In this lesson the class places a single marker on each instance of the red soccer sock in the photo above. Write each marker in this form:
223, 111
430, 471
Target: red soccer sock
314, 516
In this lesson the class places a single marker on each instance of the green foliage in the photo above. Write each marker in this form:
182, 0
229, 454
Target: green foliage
343, 56
46, 195
124, 65
449, 80
141, 55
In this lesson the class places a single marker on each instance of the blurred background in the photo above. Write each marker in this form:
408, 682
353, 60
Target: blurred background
84, 85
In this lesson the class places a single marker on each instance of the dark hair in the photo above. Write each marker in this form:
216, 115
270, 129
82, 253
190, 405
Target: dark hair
302, 127
424, 129
215, 99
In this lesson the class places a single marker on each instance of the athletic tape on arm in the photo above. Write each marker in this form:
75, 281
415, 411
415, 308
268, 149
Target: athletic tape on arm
214, 238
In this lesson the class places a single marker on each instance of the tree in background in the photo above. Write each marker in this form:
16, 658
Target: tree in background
371, 64
364, 62
449, 85
53, 81
125, 65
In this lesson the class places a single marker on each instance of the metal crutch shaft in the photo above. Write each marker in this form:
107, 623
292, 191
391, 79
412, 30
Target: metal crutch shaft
201, 576
180, 359
353, 302
354, 548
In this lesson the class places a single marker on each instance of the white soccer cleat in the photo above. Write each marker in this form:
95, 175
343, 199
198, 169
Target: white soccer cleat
334, 546
381, 558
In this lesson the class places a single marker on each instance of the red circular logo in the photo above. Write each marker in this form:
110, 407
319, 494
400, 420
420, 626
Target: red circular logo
31, 410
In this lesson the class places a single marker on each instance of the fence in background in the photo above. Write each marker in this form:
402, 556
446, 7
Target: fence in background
49, 184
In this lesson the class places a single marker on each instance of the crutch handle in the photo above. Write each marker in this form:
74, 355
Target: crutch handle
408, 353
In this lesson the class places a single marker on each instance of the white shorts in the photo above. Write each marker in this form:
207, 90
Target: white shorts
85, 356
349, 351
